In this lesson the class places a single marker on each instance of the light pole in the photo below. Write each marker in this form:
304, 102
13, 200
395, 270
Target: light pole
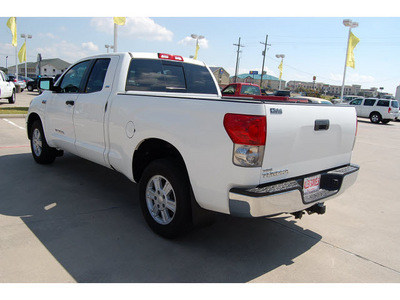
197, 38
109, 47
282, 56
6, 62
350, 24
26, 36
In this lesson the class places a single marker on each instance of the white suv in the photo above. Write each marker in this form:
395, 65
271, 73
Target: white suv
377, 110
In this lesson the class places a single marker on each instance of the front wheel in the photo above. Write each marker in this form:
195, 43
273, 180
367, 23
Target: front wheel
165, 198
12, 99
41, 151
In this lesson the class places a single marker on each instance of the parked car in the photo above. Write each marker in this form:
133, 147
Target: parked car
20, 82
377, 110
7, 88
32, 84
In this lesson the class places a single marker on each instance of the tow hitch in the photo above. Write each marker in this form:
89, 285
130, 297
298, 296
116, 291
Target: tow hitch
318, 208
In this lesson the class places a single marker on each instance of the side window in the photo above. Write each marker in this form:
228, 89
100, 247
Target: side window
383, 103
369, 102
356, 102
72, 80
145, 75
250, 90
97, 76
395, 104
230, 90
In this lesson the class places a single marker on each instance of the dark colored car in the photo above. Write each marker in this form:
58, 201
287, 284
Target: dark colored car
32, 85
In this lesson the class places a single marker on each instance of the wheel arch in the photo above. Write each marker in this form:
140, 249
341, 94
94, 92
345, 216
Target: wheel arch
31, 119
150, 150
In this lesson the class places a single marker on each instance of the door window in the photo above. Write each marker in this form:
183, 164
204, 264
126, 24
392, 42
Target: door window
73, 79
97, 76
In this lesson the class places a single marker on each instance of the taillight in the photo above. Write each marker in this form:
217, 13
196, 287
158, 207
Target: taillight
246, 129
170, 57
248, 133
389, 110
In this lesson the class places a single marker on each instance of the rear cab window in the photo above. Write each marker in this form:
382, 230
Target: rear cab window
157, 75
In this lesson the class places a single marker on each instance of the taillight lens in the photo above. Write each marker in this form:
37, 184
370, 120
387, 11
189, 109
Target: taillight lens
389, 110
246, 129
248, 133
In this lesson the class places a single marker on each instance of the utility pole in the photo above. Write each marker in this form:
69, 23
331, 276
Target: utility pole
264, 54
237, 59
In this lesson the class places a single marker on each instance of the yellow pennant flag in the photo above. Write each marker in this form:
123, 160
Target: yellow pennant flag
22, 53
197, 51
12, 24
280, 69
353, 41
119, 20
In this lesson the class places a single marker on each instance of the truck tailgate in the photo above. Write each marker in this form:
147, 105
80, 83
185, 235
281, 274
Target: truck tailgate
303, 139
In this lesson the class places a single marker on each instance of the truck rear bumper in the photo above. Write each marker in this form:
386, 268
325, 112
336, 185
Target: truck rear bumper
288, 196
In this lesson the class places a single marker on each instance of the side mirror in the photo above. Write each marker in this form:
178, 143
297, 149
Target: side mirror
46, 84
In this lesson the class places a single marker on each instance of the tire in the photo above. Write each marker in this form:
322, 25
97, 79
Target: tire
41, 151
165, 198
12, 99
375, 117
30, 88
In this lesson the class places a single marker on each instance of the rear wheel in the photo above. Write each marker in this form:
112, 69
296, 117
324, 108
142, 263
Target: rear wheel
165, 198
375, 117
41, 151
30, 88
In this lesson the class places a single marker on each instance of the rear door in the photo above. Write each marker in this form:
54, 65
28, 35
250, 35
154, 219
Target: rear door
306, 138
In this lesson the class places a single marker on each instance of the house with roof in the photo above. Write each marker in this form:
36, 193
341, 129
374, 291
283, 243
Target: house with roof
49, 67
221, 75
268, 81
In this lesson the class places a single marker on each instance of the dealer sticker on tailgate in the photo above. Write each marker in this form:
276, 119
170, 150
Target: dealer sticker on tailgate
311, 184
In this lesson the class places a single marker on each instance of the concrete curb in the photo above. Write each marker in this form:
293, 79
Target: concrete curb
10, 116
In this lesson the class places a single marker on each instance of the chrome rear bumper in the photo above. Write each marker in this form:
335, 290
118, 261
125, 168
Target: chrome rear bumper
287, 196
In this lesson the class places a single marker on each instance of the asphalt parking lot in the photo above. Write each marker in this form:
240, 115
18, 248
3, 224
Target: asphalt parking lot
75, 221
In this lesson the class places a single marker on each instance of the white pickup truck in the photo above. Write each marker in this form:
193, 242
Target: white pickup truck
160, 120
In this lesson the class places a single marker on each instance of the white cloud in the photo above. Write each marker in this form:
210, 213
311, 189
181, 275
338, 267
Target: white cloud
68, 51
353, 78
189, 41
90, 46
138, 27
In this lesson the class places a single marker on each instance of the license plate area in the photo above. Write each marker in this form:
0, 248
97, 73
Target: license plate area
311, 184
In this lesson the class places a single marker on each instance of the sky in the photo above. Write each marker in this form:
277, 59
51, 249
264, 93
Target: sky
313, 41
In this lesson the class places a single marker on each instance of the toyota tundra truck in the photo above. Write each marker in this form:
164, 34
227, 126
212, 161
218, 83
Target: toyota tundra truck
161, 120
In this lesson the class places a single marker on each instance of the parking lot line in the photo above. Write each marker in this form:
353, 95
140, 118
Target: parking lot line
12, 123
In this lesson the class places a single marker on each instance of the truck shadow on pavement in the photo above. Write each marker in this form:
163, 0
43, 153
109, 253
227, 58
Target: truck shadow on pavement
89, 219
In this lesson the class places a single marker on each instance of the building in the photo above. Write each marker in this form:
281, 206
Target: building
269, 82
221, 75
397, 97
327, 89
49, 67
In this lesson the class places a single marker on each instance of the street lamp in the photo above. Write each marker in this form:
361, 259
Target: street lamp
6, 62
282, 56
197, 38
109, 47
26, 36
350, 24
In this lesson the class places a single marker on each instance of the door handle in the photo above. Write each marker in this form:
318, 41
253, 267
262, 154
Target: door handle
70, 102
321, 125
